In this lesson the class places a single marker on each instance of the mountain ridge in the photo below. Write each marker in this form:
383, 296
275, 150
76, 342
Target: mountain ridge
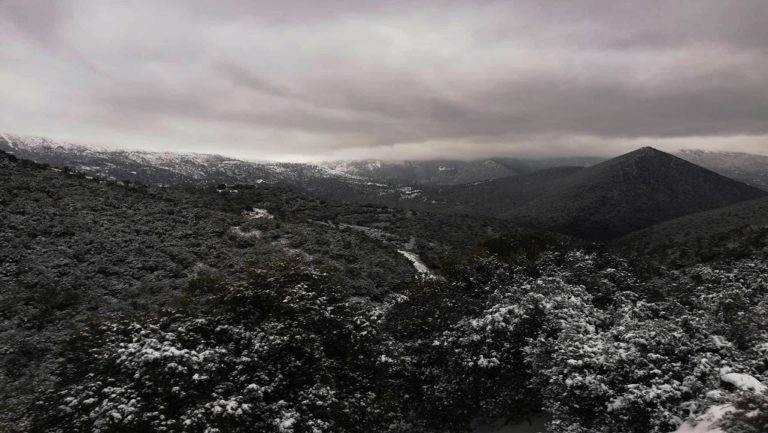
599, 202
630, 192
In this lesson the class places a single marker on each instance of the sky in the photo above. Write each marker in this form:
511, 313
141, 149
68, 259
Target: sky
395, 79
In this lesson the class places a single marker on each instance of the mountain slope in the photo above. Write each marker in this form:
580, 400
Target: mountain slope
732, 232
628, 193
498, 196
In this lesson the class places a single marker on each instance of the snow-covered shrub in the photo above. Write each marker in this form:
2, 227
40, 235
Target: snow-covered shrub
735, 297
647, 368
590, 339
466, 351
282, 352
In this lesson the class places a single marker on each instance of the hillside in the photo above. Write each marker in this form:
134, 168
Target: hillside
498, 196
74, 249
628, 193
732, 232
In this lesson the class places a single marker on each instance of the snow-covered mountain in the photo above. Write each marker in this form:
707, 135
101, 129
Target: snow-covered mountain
160, 167
165, 169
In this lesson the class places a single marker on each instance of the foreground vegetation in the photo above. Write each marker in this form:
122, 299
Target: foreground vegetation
598, 344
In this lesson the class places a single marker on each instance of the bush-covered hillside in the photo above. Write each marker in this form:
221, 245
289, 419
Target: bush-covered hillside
730, 233
72, 249
589, 339
75, 249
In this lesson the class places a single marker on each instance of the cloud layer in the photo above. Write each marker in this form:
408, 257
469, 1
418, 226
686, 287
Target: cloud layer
396, 79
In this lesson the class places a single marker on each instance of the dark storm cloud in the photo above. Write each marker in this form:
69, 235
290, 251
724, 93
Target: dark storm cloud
379, 79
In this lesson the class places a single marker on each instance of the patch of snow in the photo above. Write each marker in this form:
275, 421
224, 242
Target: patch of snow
286, 421
708, 422
484, 362
744, 382
407, 192
720, 342
421, 269
258, 213
253, 234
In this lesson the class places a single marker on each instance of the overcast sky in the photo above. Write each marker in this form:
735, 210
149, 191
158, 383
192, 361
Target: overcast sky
335, 79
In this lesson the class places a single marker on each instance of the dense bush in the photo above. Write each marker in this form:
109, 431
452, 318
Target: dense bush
288, 351
280, 352
595, 342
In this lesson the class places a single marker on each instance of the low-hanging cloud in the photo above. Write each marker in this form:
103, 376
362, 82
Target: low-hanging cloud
396, 79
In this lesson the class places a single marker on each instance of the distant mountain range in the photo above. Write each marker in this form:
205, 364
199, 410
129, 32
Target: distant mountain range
447, 172
577, 196
159, 167
744, 167
195, 169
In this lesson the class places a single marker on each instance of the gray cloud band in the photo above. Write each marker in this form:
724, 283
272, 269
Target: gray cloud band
351, 78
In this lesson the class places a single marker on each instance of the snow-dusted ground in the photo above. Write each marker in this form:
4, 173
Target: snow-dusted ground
258, 213
709, 420
743, 382
421, 268
706, 423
